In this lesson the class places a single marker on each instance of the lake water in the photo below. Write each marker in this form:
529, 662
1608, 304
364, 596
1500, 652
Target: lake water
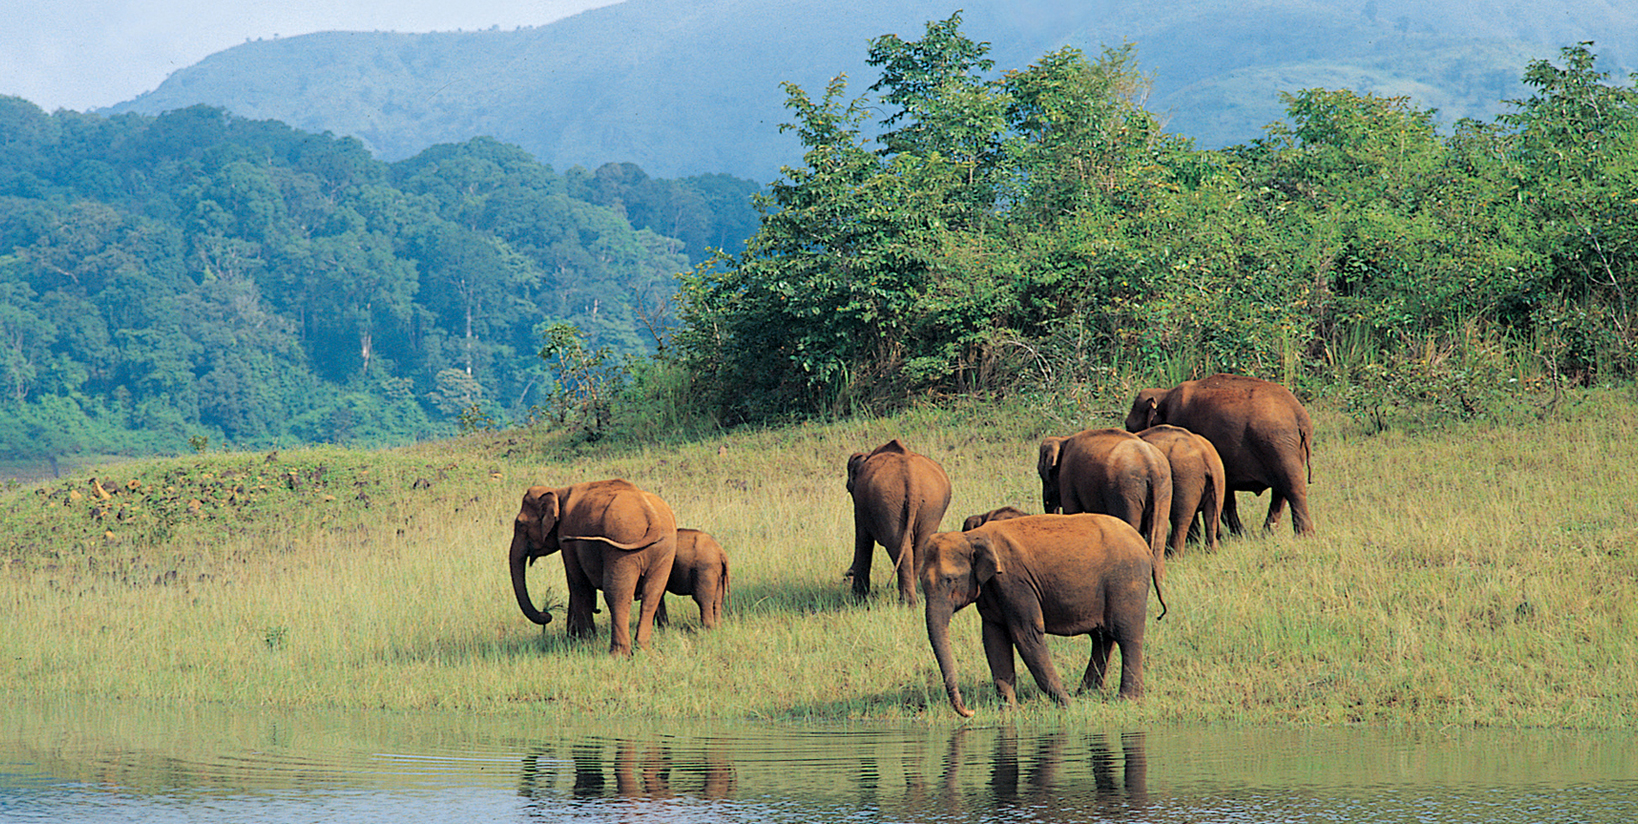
122, 763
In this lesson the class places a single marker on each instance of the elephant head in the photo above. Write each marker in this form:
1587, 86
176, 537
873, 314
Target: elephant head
1145, 410
534, 533
956, 567
1047, 467
1004, 513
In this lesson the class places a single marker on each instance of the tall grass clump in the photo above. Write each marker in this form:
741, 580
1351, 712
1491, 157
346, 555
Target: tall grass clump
1476, 573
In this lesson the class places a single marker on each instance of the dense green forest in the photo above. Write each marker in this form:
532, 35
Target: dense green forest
197, 278
956, 228
202, 279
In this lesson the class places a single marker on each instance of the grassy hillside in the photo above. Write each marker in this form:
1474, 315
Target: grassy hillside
1475, 575
683, 87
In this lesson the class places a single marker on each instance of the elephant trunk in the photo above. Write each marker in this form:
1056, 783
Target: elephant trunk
938, 634
518, 557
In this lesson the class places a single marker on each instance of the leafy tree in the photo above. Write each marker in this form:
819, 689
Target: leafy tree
1575, 163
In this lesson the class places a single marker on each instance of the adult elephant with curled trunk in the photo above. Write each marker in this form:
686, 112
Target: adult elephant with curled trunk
614, 537
1260, 430
1037, 575
1197, 483
899, 498
1110, 472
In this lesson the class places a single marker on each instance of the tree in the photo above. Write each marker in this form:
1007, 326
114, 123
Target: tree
1575, 163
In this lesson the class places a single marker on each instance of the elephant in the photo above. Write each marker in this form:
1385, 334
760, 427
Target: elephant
1197, 482
1086, 574
1001, 514
1261, 432
1112, 472
700, 570
899, 498
614, 536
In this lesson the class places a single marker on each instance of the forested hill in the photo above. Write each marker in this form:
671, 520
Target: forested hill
202, 278
684, 87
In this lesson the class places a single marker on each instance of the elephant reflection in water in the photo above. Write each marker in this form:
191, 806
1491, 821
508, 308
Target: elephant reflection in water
639, 770
1050, 776
1042, 785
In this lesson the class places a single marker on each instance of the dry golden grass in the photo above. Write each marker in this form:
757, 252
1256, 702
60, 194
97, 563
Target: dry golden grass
1475, 575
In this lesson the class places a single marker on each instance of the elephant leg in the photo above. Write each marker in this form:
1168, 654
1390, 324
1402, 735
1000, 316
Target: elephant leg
864, 550
998, 652
619, 606
1097, 665
582, 597
1276, 510
1032, 647
651, 577
1131, 667
905, 568
1184, 505
1302, 522
1231, 514
660, 618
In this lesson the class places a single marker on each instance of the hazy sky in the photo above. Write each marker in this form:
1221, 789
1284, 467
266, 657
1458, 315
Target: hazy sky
83, 54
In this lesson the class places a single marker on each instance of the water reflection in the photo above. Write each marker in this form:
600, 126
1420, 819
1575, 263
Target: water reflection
122, 763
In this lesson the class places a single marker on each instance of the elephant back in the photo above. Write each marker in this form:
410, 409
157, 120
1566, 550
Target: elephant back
616, 512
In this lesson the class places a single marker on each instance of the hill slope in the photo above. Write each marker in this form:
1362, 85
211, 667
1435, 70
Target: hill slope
689, 86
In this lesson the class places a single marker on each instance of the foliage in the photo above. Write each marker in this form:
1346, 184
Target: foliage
1002, 218
199, 275
586, 381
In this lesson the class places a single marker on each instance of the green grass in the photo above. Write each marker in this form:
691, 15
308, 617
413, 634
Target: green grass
1474, 575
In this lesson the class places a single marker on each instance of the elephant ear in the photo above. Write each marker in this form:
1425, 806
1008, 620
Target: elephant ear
853, 463
986, 560
1154, 412
1047, 465
541, 503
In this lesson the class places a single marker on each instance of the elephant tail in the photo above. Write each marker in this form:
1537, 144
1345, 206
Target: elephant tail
1155, 520
1158, 596
1306, 442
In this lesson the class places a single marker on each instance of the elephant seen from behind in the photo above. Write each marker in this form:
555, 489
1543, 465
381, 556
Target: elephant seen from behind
1111, 472
700, 570
1197, 483
899, 498
614, 537
1261, 432
1085, 574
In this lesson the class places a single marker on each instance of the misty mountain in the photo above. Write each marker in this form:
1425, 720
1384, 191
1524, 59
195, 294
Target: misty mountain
684, 87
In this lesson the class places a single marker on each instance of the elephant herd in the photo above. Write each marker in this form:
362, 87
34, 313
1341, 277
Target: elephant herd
1112, 498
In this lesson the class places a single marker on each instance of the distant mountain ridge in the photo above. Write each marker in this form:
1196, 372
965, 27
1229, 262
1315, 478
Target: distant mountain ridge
684, 87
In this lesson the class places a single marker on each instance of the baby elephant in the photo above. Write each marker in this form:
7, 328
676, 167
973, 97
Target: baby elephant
700, 570
1082, 574
1004, 513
